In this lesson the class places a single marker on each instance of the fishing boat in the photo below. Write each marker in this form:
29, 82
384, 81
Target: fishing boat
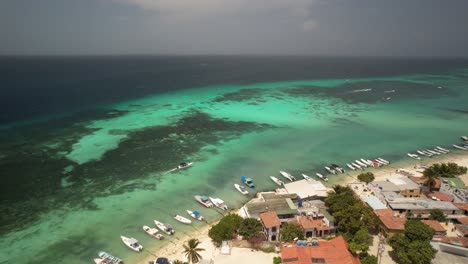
356, 166
196, 215
459, 147
350, 166
132, 243
102, 261
338, 168
182, 166
464, 138
332, 171
361, 163
247, 181
414, 156
166, 228
153, 232
107, 258
287, 176
241, 189
439, 151
367, 162
218, 203
432, 152
276, 180
307, 177
384, 161
182, 219
203, 200
321, 176
378, 163
424, 153
443, 149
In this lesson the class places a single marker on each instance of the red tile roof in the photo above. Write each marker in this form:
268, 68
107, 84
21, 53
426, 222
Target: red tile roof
389, 220
422, 180
334, 251
463, 229
308, 222
463, 220
441, 196
270, 219
459, 241
434, 225
462, 206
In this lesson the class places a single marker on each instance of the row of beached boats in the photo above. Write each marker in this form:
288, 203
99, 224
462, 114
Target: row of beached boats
428, 152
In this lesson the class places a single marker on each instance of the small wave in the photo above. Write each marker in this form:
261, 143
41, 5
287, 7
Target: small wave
361, 90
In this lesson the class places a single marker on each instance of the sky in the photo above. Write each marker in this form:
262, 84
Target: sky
283, 27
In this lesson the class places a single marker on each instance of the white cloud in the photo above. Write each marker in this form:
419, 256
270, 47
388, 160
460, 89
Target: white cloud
310, 25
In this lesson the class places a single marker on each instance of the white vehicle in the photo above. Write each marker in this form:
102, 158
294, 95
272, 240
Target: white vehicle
276, 180
182, 166
132, 243
287, 176
361, 164
241, 189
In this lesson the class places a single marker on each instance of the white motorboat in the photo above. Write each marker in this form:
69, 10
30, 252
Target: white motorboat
361, 164
414, 156
439, 151
182, 166
132, 243
367, 162
459, 147
153, 232
384, 161
356, 166
424, 153
350, 166
464, 138
337, 168
182, 219
203, 200
443, 149
218, 203
332, 171
287, 176
166, 228
107, 258
432, 152
196, 215
321, 176
307, 177
276, 180
241, 189
378, 163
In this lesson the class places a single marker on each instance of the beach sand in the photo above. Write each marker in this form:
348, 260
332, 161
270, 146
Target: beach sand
174, 251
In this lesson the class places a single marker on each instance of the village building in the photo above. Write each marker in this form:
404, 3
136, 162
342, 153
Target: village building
271, 225
307, 189
461, 230
438, 228
440, 196
400, 185
320, 224
282, 204
388, 223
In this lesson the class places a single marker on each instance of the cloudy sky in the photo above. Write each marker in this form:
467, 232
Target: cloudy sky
313, 27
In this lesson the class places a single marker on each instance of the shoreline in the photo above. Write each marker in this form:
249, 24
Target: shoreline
173, 251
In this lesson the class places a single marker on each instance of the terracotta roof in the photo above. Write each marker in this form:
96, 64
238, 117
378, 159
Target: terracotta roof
421, 180
462, 206
459, 241
389, 220
434, 225
334, 251
463, 220
270, 219
463, 229
308, 222
441, 196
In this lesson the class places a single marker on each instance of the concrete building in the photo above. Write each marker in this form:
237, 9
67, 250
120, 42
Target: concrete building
422, 206
390, 224
400, 185
438, 228
271, 225
456, 188
281, 204
454, 245
321, 224
461, 230
307, 190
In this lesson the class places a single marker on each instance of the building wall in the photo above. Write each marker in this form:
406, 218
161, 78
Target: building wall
271, 234
411, 193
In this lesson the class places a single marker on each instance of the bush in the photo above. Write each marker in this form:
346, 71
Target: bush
225, 229
437, 214
366, 177
289, 231
277, 260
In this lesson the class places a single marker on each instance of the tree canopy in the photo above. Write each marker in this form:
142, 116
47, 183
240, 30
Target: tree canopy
417, 230
289, 231
446, 170
225, 229
437, 214
191, 250
249, 228
366, 177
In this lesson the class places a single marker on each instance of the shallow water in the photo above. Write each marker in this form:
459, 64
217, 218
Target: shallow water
90, 179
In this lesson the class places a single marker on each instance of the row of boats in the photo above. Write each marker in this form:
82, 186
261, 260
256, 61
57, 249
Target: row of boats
428, 152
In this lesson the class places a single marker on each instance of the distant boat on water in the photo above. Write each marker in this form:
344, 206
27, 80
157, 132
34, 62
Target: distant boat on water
153, 232
182, 166
287, 176
464, 138
132, 243
106, 258
166, 228
196, 215
459, 147
204, 200
241, 189
218, 203
276, 180
332, 171
247, 181
414, 156
321, 176
182, 219
307, 177
350, 166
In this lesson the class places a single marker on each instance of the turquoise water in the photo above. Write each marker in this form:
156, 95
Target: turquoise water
116, 165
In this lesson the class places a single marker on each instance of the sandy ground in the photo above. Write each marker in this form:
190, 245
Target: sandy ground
174, 250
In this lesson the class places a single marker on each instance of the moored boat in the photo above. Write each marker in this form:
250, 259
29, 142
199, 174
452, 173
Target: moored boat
432, 152
287, 176
356, 165
321, 176
108, 258
241, 189
132, 243
218, 203
276, 180
203, 200
332, 171
443, 149
414, 156
350, 166
338, 168
166, 228
464, 138
459, 147
182, 219
153, 232
182, 166
384, 161
307, 177
424, 153
361, 164
247, 181
366, 162
196, 215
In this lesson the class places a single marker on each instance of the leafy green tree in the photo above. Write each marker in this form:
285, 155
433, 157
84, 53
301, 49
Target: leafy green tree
446, 170
437, 214
360, 241
191, 250
417, 230
277, 260
289, 231
369, 259
366, 177
225, 229
249, 228
409, 214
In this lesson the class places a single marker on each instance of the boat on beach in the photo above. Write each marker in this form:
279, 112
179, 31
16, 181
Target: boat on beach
153, 232
367, 162
132, 243
439, 151
414, 156
361, 164
384, 161
166, 228
357, 166
432, 152
106, 258
276, 180
218, 203
464, 138
307, 177
321, 176
203, 200
196, 215
332, 171
459, 147
287, 176
350, 166
247, 181
241, 189
182, 219
338, 168
424, 153
443, 149
379, 163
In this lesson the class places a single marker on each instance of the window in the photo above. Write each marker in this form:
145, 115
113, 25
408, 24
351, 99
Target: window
273, 229
318, 260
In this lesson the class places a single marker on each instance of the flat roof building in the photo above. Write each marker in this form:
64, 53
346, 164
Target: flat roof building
307, 190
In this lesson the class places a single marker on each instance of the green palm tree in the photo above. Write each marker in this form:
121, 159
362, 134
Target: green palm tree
191, 250
178, 262
431, 174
